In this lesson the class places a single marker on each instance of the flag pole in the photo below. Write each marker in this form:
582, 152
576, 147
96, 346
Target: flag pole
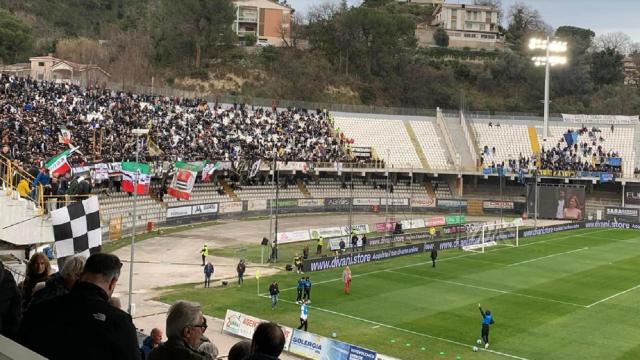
137, 133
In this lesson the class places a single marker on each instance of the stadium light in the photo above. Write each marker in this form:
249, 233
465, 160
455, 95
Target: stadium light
547, 61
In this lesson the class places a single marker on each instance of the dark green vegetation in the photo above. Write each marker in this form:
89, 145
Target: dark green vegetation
337, 54
570, 295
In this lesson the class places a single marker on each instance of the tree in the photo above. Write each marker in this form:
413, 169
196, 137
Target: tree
83, 51
617, 41
524, 22
578, 40
15, 38
201, 26
441, 37
606, 67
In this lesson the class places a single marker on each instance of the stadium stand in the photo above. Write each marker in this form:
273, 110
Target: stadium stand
432, 144
382, 135
500, 142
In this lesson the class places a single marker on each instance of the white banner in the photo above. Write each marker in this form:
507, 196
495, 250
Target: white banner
412, 224
310, 202
366, 201
423, 202
245, 325
254, 205
358, 228
204, 209
230, 207
600, 119
326, 232
293, 236
394, 202
491, 205
293, 165
178, 211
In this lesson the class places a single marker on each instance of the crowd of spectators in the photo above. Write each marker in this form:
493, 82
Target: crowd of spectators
34, 113
586, 155
72, 314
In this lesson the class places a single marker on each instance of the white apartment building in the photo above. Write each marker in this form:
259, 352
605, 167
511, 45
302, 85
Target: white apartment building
472, 26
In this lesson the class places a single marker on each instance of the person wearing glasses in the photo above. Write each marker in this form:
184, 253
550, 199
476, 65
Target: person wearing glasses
185, 328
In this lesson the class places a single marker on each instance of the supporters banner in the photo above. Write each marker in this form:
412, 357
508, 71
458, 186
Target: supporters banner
491, 205
618, 213
230, 207
59, 164
310, 202
356, 228
606, 177
209, 169
423, 202
366, 201
100, 172
336, 201
326, 232
435, 221
394, 202
256, 205
131, 171
632, 195
600, 119
293, 236
412, 224
284, 203
183, 180
445, 203
293, 166
361, 152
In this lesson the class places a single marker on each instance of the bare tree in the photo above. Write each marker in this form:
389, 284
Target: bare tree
617, 41
83, 51
290, 32
323, 11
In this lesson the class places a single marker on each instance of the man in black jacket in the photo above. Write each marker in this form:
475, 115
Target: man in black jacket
82, 324
9, 304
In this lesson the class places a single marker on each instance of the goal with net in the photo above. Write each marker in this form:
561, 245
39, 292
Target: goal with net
493, 234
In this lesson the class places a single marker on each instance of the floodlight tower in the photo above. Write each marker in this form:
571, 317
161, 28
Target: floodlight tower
556, 47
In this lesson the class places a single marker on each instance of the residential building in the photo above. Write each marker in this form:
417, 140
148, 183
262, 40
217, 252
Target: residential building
269, 21
421, 2
631, 66
472, 26
50, 68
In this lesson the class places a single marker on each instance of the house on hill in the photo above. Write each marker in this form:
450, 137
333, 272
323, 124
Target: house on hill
50, 68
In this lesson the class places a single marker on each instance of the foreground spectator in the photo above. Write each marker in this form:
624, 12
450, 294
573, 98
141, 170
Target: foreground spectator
185, 327
240, 350
151, 342
9, 304
207, 347
267, 343
61, 282
38, 270
82, 324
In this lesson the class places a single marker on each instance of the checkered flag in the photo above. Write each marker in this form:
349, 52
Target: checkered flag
76, 229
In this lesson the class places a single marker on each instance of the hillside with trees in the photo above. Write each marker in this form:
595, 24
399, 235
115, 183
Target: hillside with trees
352, 55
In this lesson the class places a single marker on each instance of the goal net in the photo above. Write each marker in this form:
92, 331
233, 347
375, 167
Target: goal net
493, 234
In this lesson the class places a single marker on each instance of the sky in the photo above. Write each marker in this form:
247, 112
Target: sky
600, 16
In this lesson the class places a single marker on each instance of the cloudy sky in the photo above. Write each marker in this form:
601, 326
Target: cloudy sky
600, 16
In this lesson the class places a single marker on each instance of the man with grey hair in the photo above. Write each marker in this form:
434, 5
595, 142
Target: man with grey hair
61, 282
82, 324
185, 326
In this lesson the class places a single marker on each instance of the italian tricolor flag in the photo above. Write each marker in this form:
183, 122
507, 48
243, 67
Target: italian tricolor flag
183, 180
131, 170
59, 164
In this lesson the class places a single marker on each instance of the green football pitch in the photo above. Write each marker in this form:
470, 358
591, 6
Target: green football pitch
569, 295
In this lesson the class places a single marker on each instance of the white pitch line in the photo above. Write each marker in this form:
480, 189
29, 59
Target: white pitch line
490, 289
548, 256
612, 296
406, 330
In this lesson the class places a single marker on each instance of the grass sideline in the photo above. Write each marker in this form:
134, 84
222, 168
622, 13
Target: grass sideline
569, 295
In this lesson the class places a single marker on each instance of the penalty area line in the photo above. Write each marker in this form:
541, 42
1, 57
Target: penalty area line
379, 324
548, 256
612, 296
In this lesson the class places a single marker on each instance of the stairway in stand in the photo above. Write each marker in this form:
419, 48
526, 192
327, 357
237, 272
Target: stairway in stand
303, 189
228, 190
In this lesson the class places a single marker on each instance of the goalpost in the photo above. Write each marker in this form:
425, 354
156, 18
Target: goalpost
493, 234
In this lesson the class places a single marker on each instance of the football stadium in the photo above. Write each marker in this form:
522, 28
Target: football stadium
144, 215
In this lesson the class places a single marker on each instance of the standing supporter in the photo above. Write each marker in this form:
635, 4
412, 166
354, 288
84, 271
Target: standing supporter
82, 324
240, 269
346, 278
10, 312
274, 291
208, 272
